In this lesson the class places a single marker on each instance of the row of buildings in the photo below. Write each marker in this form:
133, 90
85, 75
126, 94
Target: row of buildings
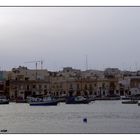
22, 82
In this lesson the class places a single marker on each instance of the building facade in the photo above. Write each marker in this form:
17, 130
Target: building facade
22, 82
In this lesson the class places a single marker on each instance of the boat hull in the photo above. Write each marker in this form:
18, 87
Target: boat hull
107, 98
129, 102
43, 104
77, 102
3, 103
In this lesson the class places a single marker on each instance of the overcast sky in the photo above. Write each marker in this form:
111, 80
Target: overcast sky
62, 36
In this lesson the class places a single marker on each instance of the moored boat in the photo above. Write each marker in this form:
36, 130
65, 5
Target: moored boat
135, 96
132, 99
107, 98
130, 102
91, 98
77, 100
125, 98
47, 101
4, 100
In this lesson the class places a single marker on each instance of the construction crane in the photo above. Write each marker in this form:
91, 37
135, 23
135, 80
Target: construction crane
36, 65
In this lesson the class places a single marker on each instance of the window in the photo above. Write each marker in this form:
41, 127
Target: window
71, 86
40, 86
77, 86
86, 86
27, 87
26, 78
103, 85
90, 86
95, 93
61, 86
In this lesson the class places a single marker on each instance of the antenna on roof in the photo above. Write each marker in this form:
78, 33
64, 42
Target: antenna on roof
136, 66
86, 62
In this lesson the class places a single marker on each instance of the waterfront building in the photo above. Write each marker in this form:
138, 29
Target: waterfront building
112, 72
22, 88
135, 82
3, 77
130, 85
2, 87
93, 73
23, 73
23, 82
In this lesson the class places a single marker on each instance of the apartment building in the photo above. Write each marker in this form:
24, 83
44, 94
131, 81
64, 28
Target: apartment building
22, 82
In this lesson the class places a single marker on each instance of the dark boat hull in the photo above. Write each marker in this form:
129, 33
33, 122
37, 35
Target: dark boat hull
129, 102
77, 102
43, 104
107, 98
91, 99
3, 103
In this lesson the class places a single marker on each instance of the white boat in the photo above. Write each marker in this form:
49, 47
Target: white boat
132, 99
125, 97
3, 100
46, 101
77, 100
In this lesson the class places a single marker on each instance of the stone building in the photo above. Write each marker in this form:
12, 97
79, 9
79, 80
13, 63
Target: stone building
22, 82
22, 88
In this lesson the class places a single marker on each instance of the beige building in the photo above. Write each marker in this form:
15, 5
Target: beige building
22, 82
22, 89
22, 73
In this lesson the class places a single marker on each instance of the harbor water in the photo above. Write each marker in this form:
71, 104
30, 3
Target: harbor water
96, 117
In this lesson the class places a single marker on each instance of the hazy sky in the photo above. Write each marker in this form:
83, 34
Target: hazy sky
62, 36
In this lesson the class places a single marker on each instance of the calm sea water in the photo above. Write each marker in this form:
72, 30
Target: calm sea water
102, 117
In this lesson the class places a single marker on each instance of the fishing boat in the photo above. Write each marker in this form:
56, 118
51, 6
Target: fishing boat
90, 98
46, 101
3, 100
125, 98
107, 98
135, 96
132, 99
77, 100
130, 102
